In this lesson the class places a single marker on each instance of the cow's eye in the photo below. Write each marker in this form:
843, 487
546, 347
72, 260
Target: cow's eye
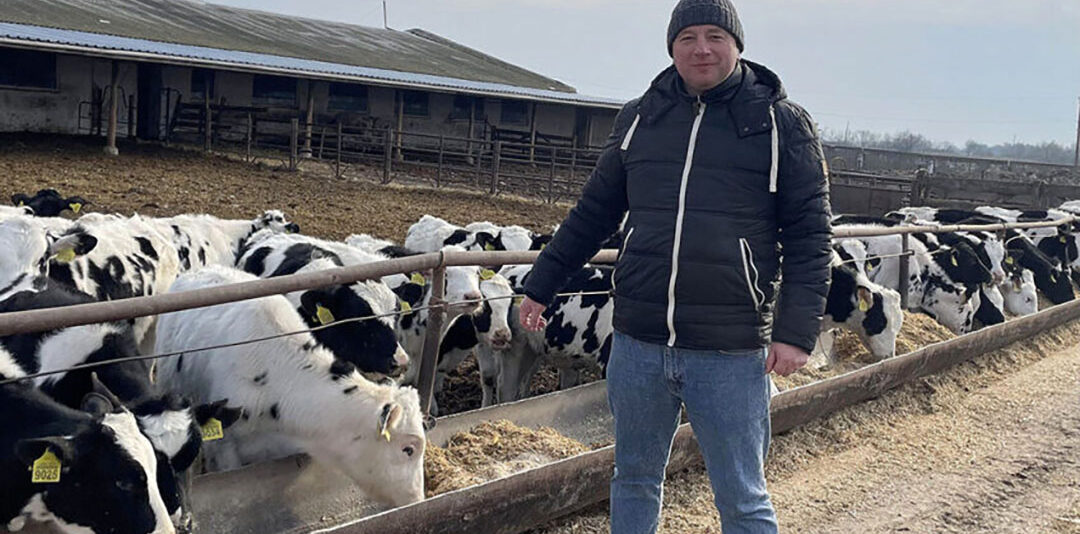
408, 451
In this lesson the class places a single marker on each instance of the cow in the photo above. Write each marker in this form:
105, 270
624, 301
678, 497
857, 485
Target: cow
167, 420
295, 394
49, 203
30, 252
577, 334
204, 239
105, 469
511, 237
870, 311
481, 333
431, 234
7, 212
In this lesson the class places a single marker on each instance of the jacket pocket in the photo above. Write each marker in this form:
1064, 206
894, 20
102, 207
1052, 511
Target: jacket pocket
750, 273
622, 252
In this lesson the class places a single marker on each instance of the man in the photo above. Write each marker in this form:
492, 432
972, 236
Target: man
723, 186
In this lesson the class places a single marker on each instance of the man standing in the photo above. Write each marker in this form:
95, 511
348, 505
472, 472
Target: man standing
723, 272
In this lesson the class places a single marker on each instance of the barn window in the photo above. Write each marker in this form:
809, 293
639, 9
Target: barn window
273, 91
514, 112
28, 69
200, 78
463, 105
415, 103
348, 97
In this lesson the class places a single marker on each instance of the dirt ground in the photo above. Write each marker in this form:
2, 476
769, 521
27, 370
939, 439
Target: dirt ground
989, 446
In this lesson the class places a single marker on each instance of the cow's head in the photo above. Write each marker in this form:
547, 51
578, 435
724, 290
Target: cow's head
29, 251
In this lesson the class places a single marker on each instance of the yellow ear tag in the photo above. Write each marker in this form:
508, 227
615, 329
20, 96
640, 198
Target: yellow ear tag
1018, 285
542, 247
863, 305
487, 274
954, 262
212, 430
489, 247
1062, 239
519, 300
385, 434
75, 207
46, 469
65, 256
323, 314
21, 204
1009, 260
406, 307
418, 279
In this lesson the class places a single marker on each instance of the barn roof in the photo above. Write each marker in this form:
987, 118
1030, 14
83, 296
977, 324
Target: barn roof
191, 32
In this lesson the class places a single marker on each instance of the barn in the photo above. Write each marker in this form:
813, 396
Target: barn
167, 65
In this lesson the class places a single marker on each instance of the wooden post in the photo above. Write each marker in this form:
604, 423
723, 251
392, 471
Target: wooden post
206, 114
388, 154
400, 124
294, 142
110, 147
903, 282
131, 117
495, 161
322, 140
476, 164
306, 152
472, 125
438, 170
248, 135
532, 135
337, 158
551, 179
1076, 157
429, 362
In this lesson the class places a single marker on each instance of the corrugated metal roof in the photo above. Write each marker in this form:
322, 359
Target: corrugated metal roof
36, 34
202, 32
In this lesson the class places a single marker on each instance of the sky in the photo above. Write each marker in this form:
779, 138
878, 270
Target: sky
993, 71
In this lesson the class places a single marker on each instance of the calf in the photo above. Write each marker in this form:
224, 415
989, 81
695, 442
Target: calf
371, 346
167, 420
577, 335
511, 237
296, 396
431, 234
7, 212
30, 252
207, 240
49, 203
1050, 279
869, 310
107, 468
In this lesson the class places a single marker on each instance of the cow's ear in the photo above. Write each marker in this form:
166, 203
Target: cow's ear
29, 450
318, 305
68, 247
217, 410
865, 297
388, 419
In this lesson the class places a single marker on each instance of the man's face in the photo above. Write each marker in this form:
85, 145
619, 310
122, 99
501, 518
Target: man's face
704, 56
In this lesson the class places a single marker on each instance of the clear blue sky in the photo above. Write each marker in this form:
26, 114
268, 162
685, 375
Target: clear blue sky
990, 70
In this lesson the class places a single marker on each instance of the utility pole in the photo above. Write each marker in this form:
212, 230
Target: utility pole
385, 22
1076, 157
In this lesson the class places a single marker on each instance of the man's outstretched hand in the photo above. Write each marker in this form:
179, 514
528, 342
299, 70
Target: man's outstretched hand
784, 359
530, 313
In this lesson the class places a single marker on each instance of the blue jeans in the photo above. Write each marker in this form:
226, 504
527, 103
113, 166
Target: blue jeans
727, 400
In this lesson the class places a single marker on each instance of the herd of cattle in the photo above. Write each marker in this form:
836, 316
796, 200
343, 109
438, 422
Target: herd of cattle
123, 439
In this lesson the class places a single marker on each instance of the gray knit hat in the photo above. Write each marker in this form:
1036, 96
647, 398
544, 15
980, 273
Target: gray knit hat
693, 12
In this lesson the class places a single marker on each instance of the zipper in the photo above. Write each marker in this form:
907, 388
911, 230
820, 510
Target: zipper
622, 252
630, 133
700, 108
748, 266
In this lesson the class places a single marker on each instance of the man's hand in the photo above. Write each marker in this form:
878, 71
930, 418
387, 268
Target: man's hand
530, 315
784, 359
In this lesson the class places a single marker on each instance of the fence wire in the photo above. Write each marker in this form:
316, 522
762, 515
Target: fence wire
94, 365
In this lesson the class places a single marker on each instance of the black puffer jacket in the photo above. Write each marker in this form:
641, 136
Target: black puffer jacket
701, 262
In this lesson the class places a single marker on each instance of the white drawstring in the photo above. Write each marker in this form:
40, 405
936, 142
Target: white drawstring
630, 133
775, 167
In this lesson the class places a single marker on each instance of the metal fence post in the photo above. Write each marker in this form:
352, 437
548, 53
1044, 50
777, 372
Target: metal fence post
206, 120
438, 170
131, 117
294, 142
247, 138
429, 364
551, 179
495, 161
337, 159
903, 282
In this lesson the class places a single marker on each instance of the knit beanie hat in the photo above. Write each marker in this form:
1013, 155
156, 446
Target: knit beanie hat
693, 12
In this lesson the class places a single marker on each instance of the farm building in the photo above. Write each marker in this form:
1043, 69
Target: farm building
170, 63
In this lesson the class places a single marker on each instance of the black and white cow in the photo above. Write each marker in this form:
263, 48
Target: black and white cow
511, 237
870, 311
485, 331
207, 240
7, 212
371, 346
431, 234
107, 467
295, 394
167, 420
577, 335
49, 203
